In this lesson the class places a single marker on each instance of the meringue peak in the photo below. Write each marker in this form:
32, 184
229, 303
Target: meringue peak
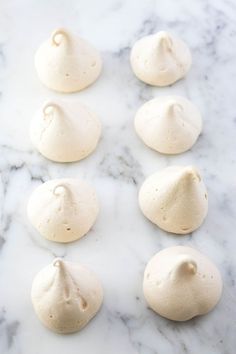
164, 40
59, 36
50, 108
173, 108
184, 266
63, 278
191, 173
68, 284
189, 176
60, 265
62, 189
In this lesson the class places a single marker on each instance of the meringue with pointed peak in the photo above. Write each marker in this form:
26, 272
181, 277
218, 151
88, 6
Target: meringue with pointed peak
181, 283
67, 63
160, 59
66, 296
65, 131
175, 199
168, 124
63, 210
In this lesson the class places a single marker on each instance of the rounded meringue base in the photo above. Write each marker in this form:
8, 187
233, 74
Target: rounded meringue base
74, 158
78, 326
74, 87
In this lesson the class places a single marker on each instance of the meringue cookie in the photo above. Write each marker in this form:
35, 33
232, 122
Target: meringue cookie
175, 199
181, 283
66, 296
67, 63
160, 59
65, 131
168, 124
63, 210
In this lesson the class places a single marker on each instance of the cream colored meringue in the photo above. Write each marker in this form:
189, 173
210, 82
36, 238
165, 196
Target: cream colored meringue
63, 210
66, 296
67, 63
175, 199
160, 59
65, 131
181, 283
168, 124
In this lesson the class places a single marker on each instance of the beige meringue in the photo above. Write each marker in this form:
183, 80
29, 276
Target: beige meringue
160, 59
168, 124
175, 199
66, 296
181, 283
65, 131
63, 210
67, 63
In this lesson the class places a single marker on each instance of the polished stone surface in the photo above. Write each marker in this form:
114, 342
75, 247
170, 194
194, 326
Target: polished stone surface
122, 241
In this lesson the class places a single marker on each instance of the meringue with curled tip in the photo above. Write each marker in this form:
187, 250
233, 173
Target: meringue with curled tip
65, 131
67, 63
175, 199
66, 296
160, 59
63, 210
168, 124
181, 283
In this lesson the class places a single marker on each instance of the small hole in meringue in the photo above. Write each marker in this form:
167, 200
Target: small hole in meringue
199, 178
185, 228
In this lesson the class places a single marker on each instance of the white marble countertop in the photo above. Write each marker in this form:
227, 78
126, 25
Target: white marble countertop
122, 240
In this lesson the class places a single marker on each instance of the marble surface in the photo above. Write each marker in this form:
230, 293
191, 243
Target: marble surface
122, 240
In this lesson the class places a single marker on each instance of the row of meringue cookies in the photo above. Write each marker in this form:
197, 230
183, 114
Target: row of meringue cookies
179, 282
67, 296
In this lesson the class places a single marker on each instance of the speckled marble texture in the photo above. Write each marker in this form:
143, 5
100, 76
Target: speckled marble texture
122, 240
